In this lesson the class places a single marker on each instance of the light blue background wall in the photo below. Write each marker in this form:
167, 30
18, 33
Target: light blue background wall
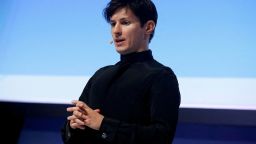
214, 38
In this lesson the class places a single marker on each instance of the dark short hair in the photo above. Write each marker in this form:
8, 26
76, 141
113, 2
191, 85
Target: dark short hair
145, 10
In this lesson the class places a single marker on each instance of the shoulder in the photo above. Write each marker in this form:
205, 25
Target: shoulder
163, 75
102, 70
161, 69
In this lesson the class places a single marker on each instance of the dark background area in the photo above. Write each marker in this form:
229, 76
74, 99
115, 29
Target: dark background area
30, 123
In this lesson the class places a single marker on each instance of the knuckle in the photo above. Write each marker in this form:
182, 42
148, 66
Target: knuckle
75, 113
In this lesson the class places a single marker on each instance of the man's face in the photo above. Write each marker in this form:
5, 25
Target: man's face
127, 33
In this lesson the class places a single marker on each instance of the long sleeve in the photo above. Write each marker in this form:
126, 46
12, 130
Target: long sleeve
164, 104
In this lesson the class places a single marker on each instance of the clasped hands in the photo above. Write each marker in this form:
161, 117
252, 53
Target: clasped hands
83, 116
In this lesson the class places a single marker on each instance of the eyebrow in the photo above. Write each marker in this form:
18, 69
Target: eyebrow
123, 18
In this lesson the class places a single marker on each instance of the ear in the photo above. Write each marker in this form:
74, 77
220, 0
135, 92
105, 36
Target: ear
150, 27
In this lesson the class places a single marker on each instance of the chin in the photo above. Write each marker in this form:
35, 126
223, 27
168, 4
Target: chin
122, 51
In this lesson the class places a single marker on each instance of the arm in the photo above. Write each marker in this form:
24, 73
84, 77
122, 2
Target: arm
75, 132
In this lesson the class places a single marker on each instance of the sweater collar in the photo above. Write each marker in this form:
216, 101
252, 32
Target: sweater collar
137, 57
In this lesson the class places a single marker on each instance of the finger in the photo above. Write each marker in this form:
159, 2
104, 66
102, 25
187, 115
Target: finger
81, 104
75, 125
97, 110
71, 117
72, 124
83, 107
79, 122
81, 127
74, 102
79, 114
71, 109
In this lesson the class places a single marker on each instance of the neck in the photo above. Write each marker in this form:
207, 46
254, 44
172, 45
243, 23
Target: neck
137, 56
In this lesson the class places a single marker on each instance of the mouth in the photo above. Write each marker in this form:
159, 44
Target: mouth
119, 42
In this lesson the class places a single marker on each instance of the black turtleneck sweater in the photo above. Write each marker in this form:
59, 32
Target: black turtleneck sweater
139, 98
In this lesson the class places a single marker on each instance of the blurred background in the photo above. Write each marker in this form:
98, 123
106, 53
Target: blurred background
50, 48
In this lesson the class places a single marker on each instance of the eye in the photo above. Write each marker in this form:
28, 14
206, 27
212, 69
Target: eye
112, 23
125, 22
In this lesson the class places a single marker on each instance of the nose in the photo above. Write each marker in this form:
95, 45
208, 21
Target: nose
116, 30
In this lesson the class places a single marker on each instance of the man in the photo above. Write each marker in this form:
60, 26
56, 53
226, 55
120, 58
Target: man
135, 101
